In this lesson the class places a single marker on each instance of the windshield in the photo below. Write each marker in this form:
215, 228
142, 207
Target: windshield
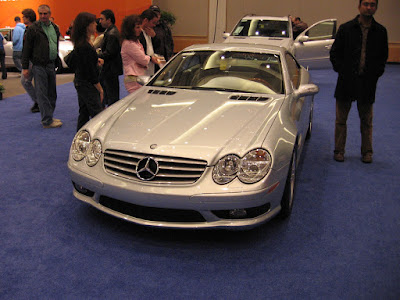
223, 71
266, 28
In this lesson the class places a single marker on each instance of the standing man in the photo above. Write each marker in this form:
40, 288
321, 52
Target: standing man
359, 55
163, 42
149, 20
111, 54
28, 17
41, 48
18, 37
2, 57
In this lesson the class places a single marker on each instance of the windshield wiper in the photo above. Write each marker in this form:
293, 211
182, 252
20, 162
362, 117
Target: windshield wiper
217, 89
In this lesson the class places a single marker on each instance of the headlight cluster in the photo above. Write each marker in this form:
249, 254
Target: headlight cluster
249, 169
84, 147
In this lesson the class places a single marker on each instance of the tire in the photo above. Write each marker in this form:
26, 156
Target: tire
288, 194
309, 130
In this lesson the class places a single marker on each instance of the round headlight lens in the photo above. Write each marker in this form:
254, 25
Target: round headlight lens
254, 166
80, 145
226, 168
94, 153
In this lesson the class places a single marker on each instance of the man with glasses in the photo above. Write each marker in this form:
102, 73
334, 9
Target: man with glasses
359, 55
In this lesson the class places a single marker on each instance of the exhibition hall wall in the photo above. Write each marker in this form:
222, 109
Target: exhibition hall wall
203, 21
64, 11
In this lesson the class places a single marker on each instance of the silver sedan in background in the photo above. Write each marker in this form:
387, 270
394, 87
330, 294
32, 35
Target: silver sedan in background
311, 47
64, 47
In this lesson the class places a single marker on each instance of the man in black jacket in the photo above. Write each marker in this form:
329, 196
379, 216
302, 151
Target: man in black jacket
111, 53
359, 55
41, 48
149, 20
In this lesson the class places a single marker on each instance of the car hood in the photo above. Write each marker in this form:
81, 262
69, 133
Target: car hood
187, 123
274, 41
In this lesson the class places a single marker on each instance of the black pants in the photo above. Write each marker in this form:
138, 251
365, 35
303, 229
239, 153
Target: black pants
3, 64
110, 86
89, 102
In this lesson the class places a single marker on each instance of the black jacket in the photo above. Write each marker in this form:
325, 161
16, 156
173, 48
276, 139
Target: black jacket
163, 43
36, 45
111, 53
345, 57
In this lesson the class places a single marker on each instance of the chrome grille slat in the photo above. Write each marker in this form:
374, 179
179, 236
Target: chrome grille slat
120, 168
172, 170
118, 160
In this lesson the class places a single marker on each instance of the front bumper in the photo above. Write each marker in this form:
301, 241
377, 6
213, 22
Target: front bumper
200, 205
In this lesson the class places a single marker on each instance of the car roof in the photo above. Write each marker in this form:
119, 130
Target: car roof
237, 47
254, 17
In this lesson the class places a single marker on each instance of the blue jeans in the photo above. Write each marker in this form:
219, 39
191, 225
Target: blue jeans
46, 90
27, 84
17, 56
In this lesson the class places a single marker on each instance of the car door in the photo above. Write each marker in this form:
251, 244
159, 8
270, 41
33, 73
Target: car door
300, 106
8, 47
312, 46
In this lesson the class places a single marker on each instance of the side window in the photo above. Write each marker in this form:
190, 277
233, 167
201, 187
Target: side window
322, 31
294, 70
6, 34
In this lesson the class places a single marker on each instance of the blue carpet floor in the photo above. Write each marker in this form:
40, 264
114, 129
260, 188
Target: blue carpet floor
342, 241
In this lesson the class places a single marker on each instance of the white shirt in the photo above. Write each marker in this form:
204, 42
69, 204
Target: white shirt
150, 52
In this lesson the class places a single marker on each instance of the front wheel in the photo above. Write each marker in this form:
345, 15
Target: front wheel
288, 194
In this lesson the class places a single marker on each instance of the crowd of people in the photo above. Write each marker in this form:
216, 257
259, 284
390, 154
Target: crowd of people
358, 54
101, 54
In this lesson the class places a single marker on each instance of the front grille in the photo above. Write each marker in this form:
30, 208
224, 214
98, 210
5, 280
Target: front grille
173, 170
151, 213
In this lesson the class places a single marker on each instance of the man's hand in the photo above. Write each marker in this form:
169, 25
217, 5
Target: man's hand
150, 31
25, 73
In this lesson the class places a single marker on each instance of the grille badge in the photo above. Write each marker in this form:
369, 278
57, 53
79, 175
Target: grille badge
147, 168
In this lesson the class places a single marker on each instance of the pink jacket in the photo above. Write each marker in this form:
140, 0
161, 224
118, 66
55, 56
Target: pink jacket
134, 59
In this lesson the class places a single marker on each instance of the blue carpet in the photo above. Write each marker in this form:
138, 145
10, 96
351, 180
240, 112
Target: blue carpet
342, 241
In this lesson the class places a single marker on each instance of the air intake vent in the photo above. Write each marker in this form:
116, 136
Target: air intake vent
161, 92
248, 98
170, 170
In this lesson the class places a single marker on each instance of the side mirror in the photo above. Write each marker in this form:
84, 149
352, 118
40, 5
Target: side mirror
225, 35
307, 90
304, 38
143, 80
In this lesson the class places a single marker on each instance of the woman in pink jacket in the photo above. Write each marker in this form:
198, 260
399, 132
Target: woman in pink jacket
134, 59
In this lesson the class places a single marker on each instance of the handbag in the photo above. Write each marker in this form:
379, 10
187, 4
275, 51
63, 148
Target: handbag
70, 59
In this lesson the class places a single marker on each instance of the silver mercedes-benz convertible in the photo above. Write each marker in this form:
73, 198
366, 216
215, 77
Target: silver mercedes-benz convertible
211, 141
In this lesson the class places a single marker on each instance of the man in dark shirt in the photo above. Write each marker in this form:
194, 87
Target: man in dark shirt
359, 55
111, 54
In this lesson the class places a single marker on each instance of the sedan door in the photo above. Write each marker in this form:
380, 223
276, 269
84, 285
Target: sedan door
8, 47
312, 46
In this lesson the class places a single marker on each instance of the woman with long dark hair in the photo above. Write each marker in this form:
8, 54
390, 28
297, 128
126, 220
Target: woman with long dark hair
86, 64
134, 60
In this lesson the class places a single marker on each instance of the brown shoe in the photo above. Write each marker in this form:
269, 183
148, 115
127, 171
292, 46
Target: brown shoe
338, 157
55, 124
367, 158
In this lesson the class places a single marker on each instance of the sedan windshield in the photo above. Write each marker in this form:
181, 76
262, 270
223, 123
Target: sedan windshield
266, 28
223, 71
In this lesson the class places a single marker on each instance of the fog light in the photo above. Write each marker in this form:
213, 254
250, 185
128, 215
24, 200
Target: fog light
83, 190
238, 213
